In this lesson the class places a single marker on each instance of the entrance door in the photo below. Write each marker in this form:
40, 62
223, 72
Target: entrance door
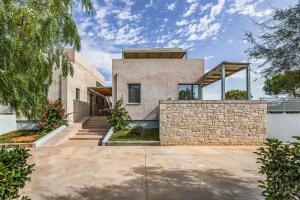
91, 104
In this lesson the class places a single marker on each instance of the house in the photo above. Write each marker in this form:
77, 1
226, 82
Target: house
143, 77
82, 94
163, 88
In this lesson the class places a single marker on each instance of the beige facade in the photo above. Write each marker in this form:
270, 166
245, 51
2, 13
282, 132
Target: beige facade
158, 78
84, 77
213, 122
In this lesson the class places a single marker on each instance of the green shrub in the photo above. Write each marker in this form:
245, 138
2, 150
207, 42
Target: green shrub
137, 130
118, 117
236, 95
280, 164
51, 115
14, 172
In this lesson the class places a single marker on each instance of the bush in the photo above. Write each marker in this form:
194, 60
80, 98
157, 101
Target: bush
51, 115
14, 172
137, 130
118, 117
280, 164
236, 95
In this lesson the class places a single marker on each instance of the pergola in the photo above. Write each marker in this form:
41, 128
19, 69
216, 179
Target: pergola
105, 91
223, 70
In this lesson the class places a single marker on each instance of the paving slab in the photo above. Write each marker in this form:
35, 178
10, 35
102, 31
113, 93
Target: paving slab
137, 172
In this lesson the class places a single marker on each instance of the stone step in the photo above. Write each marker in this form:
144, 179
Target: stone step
91, 133
96, 123
86, 137
93, 130
95, 127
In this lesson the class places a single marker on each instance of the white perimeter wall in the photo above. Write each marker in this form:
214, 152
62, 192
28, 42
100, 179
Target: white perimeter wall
283, 126
7, 123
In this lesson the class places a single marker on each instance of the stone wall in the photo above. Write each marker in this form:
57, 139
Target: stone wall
212, 122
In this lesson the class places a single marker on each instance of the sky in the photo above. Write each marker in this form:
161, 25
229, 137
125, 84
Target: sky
212, 30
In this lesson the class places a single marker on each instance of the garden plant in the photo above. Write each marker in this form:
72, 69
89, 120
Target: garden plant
14, 172
280, 165
118, 116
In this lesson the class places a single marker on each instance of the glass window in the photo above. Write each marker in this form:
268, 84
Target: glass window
195, 92
77, 94
134, 93
188, 92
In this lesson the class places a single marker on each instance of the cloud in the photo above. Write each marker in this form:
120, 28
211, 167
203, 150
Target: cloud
249, 8
182, 22
208, 57
127, 15
191, 9
172, 6
150, 4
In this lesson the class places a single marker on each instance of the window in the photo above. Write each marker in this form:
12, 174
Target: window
134, 93
188, 92
77, 94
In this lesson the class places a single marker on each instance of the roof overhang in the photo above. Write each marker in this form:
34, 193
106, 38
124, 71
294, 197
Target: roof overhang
153, 53
105, 91
216, 73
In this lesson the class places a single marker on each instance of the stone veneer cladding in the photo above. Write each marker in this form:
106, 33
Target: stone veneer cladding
229, 122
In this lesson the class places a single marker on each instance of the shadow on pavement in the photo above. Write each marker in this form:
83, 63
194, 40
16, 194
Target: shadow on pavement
171, 184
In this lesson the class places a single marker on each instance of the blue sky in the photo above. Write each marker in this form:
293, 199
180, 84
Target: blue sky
213, 30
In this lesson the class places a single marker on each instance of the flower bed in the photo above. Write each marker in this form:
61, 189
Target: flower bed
150, 134
21, 136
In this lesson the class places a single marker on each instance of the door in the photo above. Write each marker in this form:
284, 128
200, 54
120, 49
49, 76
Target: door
91, 104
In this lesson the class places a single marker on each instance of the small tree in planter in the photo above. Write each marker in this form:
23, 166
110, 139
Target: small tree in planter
51, 115
236, 95
14, 172
280, 165
118, 116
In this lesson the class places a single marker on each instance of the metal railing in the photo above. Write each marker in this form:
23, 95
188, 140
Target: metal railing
279, 105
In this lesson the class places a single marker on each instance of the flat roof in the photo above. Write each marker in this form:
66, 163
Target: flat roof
216, 73
153, 53
105, 91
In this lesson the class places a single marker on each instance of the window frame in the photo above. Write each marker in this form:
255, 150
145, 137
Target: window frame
189, 84
128, 94
77, 95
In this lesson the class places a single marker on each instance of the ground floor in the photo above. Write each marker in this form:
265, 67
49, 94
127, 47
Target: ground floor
159, 172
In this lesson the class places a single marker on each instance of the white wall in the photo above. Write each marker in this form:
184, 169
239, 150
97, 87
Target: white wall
283, 126
7, 123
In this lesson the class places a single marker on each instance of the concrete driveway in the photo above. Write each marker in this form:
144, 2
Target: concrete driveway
181, 172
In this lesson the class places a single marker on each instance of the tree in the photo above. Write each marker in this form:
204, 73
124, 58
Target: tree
284, 83
236, 95
278, 43
33, 34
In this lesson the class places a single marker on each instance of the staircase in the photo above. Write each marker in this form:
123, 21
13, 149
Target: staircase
94, 129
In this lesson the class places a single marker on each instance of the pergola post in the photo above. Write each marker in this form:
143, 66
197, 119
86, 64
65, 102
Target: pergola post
248, 82
223, 82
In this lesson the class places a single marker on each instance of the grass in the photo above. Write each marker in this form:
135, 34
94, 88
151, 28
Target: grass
21, 136
150, 134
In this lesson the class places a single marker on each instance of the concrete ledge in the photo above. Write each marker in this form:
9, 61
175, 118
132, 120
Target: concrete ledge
107, 136
133, 143
212, 101
47, 137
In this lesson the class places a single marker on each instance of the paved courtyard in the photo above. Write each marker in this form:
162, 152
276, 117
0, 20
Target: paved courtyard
150, 173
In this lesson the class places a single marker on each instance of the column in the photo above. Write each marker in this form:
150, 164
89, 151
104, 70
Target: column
223, 83
248, 82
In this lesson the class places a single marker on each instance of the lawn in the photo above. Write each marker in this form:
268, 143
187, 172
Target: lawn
21, 136
150, 134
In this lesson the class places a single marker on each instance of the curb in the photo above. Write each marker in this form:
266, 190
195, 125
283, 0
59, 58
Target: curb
132, 143
107, 136
47, 137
